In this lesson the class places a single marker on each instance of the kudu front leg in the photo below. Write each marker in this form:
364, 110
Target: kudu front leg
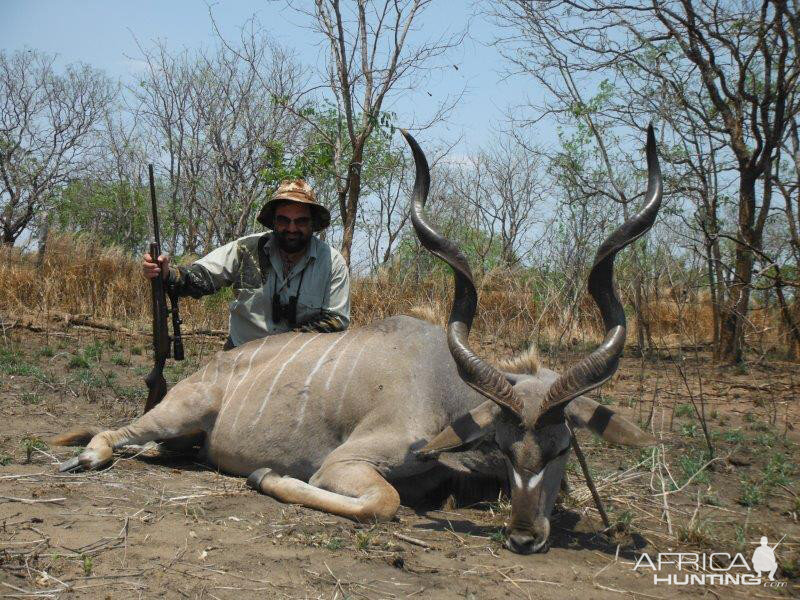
185, 412
352, 490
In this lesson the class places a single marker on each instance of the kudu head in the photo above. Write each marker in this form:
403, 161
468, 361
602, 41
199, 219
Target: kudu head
530, 416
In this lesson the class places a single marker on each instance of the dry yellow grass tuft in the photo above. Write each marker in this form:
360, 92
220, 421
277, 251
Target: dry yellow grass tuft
429, 313
526, 362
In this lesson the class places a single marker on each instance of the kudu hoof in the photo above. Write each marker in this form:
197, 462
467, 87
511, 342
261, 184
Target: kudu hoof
87, 460
256, 477
73, 464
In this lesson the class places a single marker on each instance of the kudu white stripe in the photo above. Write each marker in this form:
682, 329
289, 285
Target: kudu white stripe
349, 377
243, 400
307, 382
216, 374
338, 358
226, 400
203, 374
233, 370
278, 376
353, 368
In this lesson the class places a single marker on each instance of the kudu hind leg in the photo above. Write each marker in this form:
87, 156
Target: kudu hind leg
352, 490
184, 413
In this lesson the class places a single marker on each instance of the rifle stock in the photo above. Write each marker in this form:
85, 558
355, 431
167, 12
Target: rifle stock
156, 385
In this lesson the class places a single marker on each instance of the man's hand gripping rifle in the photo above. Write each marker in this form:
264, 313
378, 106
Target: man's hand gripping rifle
162, 341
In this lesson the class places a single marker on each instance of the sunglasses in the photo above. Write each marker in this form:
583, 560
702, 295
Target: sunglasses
286, 221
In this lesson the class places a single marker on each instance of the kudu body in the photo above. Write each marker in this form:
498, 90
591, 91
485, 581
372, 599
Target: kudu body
351, 423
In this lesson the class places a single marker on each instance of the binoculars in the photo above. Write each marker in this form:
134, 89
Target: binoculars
281, 311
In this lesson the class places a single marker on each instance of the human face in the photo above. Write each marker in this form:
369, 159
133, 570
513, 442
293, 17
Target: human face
293, 226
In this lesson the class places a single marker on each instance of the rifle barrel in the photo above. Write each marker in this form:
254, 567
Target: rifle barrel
154, 207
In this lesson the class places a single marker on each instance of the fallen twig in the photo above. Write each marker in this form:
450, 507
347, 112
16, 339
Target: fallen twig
29, 501
411, 540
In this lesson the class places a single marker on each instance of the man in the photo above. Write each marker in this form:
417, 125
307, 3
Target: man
285, 280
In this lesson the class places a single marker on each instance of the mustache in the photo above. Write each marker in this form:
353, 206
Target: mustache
292, 241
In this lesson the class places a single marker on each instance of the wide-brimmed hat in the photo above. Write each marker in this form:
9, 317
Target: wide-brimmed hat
295, 190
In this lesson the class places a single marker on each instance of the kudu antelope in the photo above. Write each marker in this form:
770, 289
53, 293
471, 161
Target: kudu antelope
351, 423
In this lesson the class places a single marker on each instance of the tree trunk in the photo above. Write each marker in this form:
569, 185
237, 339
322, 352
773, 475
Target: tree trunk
351, 208
644, 335
712, 286
793, 341
40, 254
191, 234
794, 349
734, 314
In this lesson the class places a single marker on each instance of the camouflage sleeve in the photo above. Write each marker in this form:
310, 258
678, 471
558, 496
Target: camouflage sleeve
205, 276
194, 281
326, 322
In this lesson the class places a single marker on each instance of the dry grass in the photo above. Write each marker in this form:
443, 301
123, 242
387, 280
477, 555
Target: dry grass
78, 277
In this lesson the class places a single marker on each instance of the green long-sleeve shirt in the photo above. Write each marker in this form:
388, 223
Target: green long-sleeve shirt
323, 298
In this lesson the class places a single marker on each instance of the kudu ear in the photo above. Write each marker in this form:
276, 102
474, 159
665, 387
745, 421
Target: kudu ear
465, 429
586, 413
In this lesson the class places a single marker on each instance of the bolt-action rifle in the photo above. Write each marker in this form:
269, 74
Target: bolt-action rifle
163, 343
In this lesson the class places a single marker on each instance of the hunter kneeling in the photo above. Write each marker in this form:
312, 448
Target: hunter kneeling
285, 280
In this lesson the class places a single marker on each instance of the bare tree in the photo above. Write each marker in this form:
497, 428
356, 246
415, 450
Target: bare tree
787, 182
704, 182
162, 108
245, 125
386, 212
221, 120
583, 215
509, 190
372, 60
48, 122
733, 66
110, 201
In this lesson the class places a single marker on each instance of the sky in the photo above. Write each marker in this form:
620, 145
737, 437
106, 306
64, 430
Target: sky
104, 34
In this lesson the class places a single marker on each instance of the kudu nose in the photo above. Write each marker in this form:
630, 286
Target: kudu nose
522, 543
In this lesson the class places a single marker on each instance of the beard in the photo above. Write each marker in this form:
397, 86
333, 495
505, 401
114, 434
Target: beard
292, 242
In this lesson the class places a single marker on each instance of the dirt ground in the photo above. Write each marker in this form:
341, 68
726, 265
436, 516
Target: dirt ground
156, 525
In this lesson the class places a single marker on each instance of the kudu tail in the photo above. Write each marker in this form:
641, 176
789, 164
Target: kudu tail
76, 437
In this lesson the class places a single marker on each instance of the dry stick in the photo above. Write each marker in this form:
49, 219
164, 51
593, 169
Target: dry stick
26, 593
28, 501
589, 481
664, 492
649, 423
338, 584
411, 540
696, 473
512, 582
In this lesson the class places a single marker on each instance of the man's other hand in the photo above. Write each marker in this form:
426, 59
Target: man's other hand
152, 269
